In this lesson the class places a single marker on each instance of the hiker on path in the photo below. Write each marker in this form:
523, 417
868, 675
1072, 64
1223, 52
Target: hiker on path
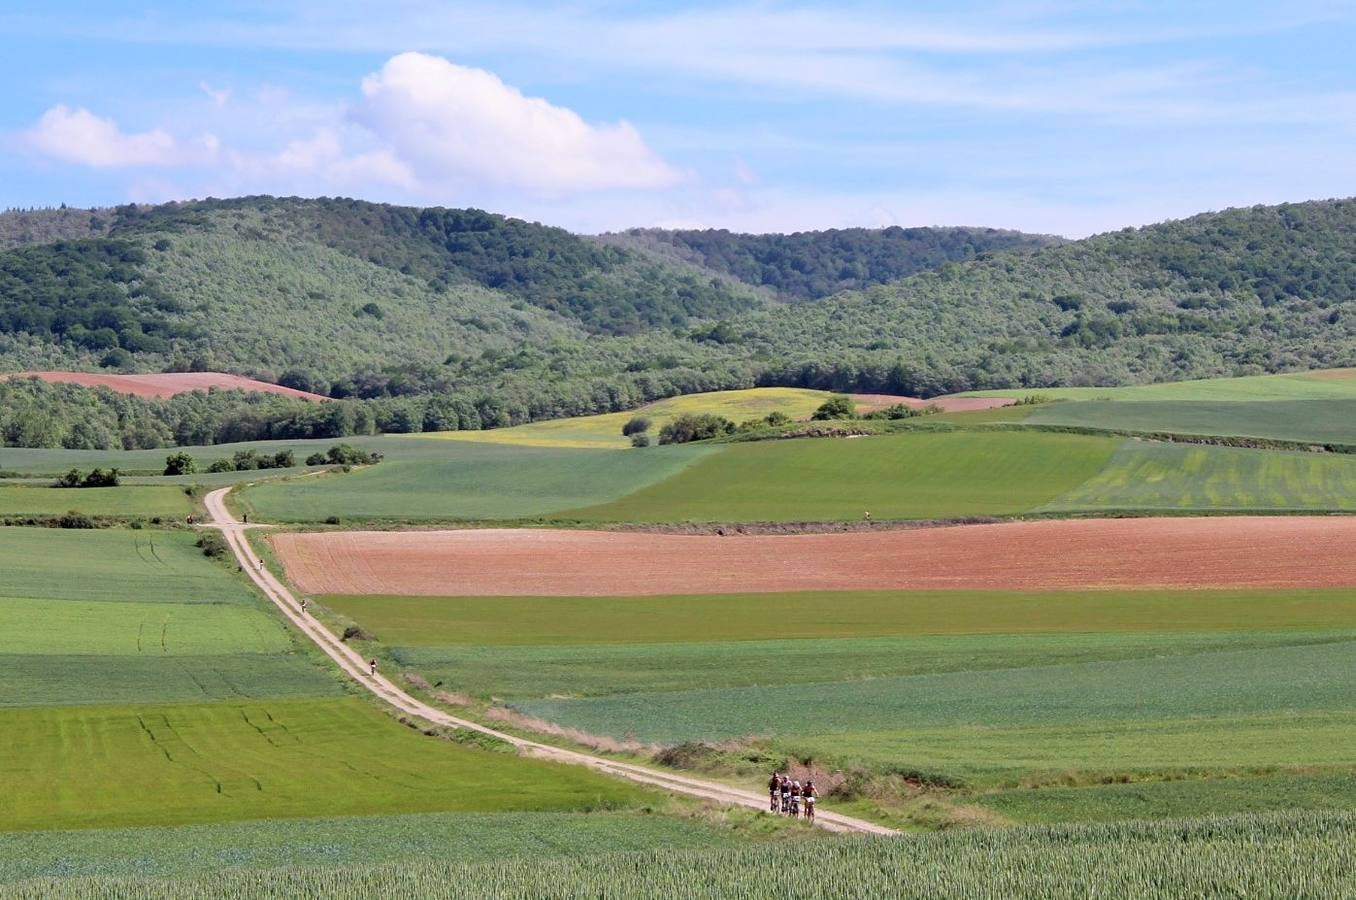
303, 604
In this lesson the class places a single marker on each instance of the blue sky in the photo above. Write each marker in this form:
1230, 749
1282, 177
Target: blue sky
762, 116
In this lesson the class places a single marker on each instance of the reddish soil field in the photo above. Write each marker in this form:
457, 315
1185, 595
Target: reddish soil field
1259, 551
166, 384
871, 402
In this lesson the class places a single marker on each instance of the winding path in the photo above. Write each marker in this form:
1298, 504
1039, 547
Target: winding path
356, 668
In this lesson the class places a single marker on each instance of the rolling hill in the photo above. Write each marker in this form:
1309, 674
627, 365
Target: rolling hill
464, 319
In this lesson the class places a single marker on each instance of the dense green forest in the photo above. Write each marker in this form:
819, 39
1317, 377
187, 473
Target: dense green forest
432, 319
809, 265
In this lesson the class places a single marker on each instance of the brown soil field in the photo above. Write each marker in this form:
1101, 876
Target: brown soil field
1252, 551
166, 384
871, 402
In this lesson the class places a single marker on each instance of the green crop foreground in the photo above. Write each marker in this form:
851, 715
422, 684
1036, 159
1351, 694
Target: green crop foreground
350, 840
1271, 856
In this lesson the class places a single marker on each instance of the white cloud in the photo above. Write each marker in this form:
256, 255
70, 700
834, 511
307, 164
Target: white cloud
456, 124
79, 136
220, 96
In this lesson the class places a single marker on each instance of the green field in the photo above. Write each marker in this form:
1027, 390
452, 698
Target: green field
586, 670
114, 564
141, 683
1309, 855
1316, 421
81, 767
1145, 476
353, 840
100, 628
908, 476
58, 679
1176, 799
987, 688
436, 479
495, 621
1324, 384
125, 501
1223, 683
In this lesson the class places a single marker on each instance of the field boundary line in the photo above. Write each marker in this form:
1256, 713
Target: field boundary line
356, 668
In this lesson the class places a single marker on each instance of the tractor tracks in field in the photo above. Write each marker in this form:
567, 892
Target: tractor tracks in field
355, 667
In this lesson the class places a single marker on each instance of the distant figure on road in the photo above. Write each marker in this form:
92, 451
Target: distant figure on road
247, 518
373, 664
867, 514
303, 604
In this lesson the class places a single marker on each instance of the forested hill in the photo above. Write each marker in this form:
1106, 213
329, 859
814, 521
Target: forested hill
1243, 291
808, 265
502, 321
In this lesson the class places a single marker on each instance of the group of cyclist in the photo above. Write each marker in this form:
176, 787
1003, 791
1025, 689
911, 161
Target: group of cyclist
789, 797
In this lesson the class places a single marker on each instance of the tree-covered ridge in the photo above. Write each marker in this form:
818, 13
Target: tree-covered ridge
605, 289
1243, 291
93, 295
284, 291
813, 264
20, 227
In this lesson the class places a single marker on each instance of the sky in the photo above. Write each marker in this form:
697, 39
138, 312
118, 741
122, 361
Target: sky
1053, 117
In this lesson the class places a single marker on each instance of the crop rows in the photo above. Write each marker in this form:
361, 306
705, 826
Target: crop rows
1291, 856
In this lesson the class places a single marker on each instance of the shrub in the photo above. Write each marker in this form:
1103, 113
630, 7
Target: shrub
354, 633
636, 425
903, 411
688, 428
317, 459
348, 455
221, 465
836, 408
212, 544
95, 478
180, 464
75, 519
640, 440
100, 478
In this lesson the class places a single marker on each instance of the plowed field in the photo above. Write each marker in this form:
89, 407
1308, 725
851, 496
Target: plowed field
870, 402
166, 384
1045, 555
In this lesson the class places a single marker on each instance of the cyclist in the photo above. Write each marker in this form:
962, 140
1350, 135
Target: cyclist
774, 790
809, 792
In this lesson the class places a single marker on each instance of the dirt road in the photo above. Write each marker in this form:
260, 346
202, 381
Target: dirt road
356, 667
